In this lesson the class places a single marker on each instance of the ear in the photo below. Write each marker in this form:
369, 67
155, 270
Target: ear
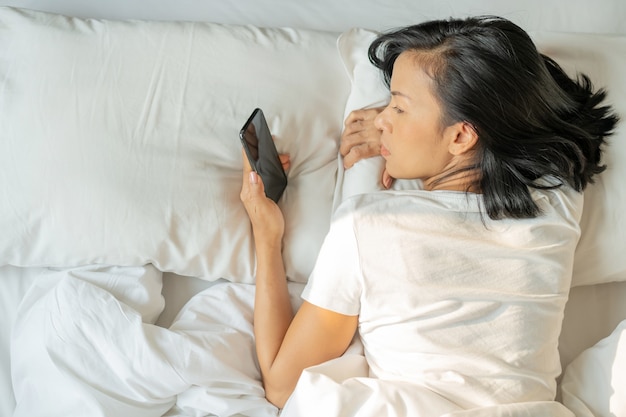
462, 138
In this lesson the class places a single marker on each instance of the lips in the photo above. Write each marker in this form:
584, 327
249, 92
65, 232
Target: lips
384, 151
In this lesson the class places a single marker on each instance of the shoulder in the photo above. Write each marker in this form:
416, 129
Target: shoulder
563, 202
414, 201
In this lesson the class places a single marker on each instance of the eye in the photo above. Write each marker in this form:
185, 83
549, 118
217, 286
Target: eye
397, 109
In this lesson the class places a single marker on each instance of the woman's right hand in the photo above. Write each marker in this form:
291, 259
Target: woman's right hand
361, 139
267, 220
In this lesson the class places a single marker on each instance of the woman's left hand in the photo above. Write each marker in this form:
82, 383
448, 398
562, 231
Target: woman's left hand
361, 139
267, 220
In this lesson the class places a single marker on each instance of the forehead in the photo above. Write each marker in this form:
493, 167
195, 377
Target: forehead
410, 76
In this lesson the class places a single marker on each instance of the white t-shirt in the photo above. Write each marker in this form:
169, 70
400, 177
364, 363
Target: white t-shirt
447, 298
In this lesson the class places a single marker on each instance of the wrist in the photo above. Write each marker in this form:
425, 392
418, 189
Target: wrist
268, 244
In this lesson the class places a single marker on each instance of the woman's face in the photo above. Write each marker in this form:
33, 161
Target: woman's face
414, 142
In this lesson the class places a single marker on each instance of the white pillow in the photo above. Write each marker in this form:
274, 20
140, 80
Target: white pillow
119, 141
600, 253
594, 384
368, 90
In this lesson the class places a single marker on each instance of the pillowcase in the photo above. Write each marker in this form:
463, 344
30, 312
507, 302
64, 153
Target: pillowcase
119, 141
599, 255
594, 384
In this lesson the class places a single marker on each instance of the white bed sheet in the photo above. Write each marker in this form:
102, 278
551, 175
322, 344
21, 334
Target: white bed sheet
14, 282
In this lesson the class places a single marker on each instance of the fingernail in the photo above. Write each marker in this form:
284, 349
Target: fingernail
252, 177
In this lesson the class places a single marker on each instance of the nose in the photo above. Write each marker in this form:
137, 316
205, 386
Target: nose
381, 122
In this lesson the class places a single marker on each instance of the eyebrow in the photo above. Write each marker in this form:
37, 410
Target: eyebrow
397, 93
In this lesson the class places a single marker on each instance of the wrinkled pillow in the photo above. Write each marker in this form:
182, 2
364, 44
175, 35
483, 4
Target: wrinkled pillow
599, 255
368, 91
119, 141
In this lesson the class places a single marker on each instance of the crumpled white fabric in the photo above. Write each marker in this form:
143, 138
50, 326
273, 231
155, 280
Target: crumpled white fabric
74, 347
78, 350
342, 388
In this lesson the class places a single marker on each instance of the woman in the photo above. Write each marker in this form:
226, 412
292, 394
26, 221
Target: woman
459, 287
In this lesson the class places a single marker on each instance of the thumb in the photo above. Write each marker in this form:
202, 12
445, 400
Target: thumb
256, 183
387, 179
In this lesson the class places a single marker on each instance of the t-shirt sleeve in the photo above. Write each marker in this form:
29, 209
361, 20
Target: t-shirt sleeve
335, 283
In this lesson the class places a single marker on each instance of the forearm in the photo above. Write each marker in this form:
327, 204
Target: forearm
285, 344
272, 309
272, 305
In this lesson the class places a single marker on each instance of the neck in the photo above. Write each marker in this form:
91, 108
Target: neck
466, 179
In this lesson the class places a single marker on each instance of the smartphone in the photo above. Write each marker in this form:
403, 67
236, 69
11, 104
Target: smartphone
258, 143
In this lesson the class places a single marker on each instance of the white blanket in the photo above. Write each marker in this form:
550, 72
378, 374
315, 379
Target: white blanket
78, 350
342, 388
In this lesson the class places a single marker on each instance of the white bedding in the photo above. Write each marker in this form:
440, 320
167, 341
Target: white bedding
96, 355
14, 282
85, 336
337, 382
85, 345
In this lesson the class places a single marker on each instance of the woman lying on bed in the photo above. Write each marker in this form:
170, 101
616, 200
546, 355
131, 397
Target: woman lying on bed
457, 288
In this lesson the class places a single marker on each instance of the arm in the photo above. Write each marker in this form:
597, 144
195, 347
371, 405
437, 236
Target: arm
285, 346
361, 139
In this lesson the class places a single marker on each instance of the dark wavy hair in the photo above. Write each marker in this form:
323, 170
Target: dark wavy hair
536, 126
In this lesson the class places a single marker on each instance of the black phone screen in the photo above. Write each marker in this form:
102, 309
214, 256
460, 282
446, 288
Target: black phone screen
258, 143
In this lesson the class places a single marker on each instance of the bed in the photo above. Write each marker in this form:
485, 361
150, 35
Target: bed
126, 259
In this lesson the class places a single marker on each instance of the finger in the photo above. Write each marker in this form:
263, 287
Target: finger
246, 163
247, 168
252, 189
349, 141
387, 179
365, 150
250, 179
359, 132
354, 116
364, 134
363, 114
285, 160
357, 126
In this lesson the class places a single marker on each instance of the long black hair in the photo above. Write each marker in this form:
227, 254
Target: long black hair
536, 126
